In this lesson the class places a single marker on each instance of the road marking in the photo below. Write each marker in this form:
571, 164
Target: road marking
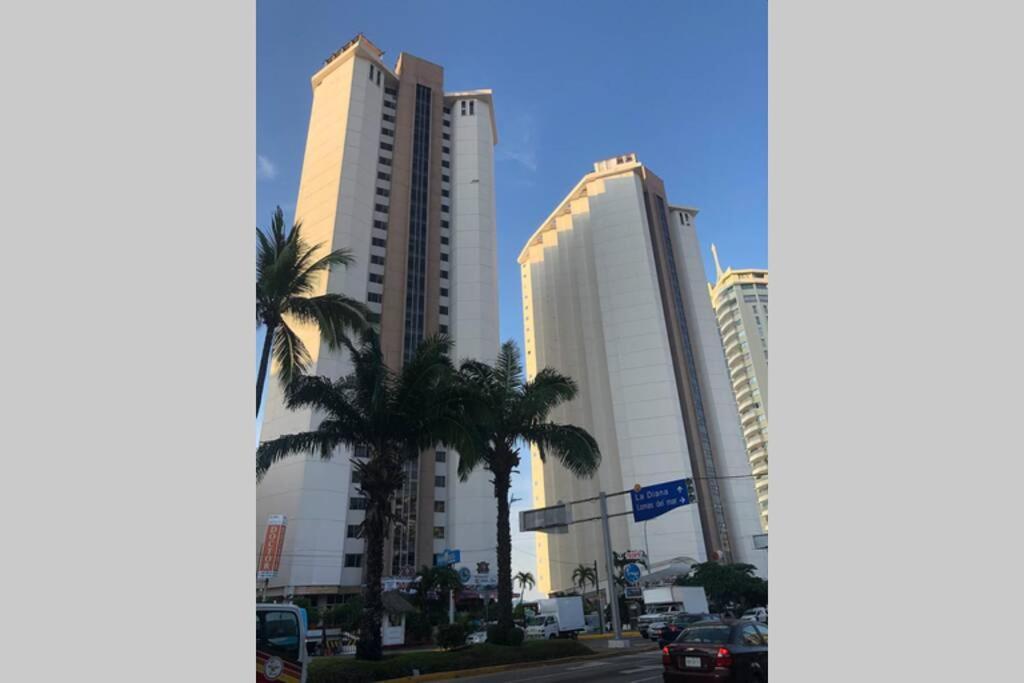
642, 680
641, 668
587, 665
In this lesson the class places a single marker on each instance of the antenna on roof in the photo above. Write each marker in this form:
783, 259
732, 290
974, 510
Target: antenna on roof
718, 267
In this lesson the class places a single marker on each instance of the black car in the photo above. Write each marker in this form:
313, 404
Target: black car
676, 624
717, 650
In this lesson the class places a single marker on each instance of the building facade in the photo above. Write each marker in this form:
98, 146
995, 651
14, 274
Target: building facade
740, 300
401, 173
614, 295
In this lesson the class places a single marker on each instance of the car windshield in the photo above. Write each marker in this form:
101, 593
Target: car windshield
704, 634
535, 621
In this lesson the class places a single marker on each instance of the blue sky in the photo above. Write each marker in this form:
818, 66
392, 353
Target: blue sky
683, 83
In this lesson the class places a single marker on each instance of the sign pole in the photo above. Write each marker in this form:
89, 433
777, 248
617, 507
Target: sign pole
609, 564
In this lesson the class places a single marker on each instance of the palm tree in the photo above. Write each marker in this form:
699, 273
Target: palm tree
508, 411
436, 579
394, 416
525, 581
287, 272
584, 574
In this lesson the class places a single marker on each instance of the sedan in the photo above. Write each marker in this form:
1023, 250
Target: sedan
717, 651
674, 626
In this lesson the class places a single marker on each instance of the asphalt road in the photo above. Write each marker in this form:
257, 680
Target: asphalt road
641, 667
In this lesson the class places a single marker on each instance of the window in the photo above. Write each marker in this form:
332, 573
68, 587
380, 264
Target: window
444, 310
443, 329
388, 131
353, 560
379, 260
440, 456
391, 91
388, 117
749, 635
439, 482
444, 257
446, 193
378, 76
446, 178
446, 123
357, 477
438, 506
383, 192
356, 503
444, 274
445, 136
438, 532
380, 225
445, 224
445, 164
383, 161
448, 110
381, 175
373, 298
386, 146
471, 107
361, 452
749, 298
444, 291
378, 242
446, 150
463, 103
380, 207
277, 634
445, 240
371, 72
445, 208
747, 286
353, 531
377, 278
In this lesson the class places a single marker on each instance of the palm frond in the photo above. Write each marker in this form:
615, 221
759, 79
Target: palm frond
546, 390
334, 314
277, 449
290, 354
573, 446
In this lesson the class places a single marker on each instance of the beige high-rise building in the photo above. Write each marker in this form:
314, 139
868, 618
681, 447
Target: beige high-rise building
740, 299
615, 296
401, 173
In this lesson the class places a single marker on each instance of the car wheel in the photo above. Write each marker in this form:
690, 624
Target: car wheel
552, 636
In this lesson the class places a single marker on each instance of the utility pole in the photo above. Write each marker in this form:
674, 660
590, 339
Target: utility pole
617, 641
600, 602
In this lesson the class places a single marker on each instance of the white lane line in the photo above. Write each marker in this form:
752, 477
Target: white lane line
587, 665
641, 668
642, 680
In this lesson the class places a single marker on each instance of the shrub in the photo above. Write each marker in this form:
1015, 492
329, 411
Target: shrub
349, 670
451, 636
499, 637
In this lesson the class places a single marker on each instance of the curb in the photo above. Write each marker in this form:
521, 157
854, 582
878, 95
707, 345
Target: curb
482, 671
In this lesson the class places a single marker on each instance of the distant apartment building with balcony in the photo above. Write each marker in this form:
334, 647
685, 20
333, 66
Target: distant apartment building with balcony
740, 300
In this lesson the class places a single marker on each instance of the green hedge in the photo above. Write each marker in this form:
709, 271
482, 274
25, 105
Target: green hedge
351, 670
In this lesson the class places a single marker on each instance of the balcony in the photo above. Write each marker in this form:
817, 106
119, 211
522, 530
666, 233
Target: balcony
749, 431
757, 456
760, 470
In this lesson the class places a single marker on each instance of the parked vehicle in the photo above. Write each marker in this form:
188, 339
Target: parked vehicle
674, 626
477, 638
280, 644
758, 614
664, 602
557, 618
717, 651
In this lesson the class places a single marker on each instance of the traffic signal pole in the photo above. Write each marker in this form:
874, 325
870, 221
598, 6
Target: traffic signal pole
609, 563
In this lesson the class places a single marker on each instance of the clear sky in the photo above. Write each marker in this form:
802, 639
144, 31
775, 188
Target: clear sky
683, 83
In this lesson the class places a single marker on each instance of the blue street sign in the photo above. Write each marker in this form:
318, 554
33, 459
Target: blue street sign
652, 501
447, 557
465, 575
631, 572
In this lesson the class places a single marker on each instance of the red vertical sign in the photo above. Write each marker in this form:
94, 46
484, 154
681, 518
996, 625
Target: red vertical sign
273, 546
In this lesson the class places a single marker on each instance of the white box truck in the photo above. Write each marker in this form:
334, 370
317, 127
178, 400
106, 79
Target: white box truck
664, 602
557, 618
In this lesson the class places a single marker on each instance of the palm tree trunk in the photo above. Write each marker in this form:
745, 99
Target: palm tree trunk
502, 483
264, 363
369, 645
